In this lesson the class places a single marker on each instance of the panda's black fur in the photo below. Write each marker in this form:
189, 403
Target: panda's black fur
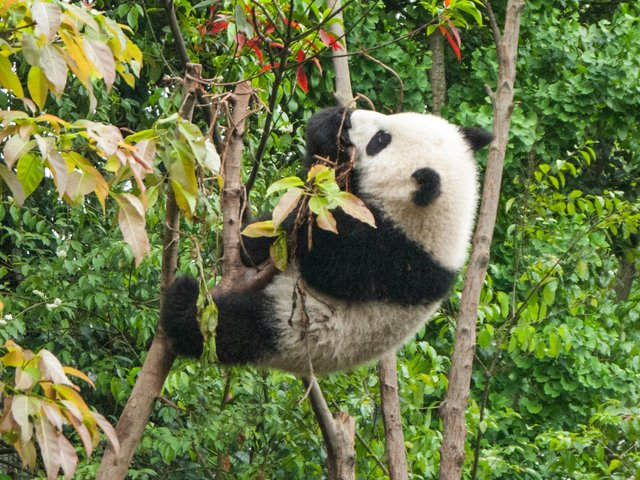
349, 277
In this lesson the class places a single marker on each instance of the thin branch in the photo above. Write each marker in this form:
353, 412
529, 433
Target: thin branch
495, 30
394, 73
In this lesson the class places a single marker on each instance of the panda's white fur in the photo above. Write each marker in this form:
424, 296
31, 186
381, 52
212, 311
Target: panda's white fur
339, 334
354, 296
443, 227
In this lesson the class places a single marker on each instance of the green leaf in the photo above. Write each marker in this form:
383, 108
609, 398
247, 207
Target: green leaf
285, 184
38, 86
30, 171
279, 254
260, 229
327, 221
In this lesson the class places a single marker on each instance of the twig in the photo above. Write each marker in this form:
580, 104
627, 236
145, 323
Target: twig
394, 73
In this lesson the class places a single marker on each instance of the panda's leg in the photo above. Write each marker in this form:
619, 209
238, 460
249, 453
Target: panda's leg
179, 317
246, 327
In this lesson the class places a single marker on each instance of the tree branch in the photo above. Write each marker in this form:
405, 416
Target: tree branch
453, 408
160, 356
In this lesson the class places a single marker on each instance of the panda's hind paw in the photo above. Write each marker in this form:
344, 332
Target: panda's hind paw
179, 317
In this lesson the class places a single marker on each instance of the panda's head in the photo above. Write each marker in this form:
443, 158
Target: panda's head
417, 169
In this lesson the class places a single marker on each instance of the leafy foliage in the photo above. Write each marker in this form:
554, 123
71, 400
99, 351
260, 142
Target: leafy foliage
554, 392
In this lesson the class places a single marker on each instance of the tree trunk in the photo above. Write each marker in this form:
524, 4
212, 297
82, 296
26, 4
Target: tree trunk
454, 405
437, 76
392, 418
160, 357
624, 278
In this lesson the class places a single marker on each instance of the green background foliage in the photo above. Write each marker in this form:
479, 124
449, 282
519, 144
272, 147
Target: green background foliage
554, 392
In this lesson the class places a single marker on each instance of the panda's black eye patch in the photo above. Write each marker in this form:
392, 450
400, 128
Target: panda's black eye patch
378, 143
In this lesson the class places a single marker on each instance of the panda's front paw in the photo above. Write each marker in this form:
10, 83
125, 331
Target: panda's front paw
428, 186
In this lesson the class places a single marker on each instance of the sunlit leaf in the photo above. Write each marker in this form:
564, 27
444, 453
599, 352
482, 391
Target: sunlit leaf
9, 79
14, 184
22, 407
327, 221
38, 86
102, 59
15, 148
285, 184
77, 373
286, 205
260, 229
131, 218
52, 368
48, 17
49, 446
54, 66
355, 207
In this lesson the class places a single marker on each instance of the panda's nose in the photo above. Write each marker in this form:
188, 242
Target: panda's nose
428, 186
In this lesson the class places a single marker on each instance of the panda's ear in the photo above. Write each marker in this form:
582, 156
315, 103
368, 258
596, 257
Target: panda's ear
476, 137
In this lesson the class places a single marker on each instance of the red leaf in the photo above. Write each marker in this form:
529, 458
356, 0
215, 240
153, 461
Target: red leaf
455, 32
218, 26
253, 46
447, 3
330, 40
241, 39
303, 81
452, 42
293, 23
300, 56
317, 63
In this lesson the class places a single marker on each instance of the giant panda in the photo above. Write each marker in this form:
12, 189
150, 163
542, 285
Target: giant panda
347, 298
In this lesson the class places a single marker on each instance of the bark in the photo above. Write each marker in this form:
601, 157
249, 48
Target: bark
160, 357
454, 405
437, 76
624, 278
343, 92
338, 431
392, 418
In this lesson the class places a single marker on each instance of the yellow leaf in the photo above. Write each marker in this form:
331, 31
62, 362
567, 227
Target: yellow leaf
83, 67
260, 229
68, 393
38, 86
77, 373
8, 78
327, 221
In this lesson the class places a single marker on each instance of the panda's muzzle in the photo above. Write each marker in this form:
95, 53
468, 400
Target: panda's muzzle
428, 186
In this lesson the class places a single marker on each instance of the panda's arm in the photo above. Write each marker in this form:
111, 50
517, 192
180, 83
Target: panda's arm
255, 250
